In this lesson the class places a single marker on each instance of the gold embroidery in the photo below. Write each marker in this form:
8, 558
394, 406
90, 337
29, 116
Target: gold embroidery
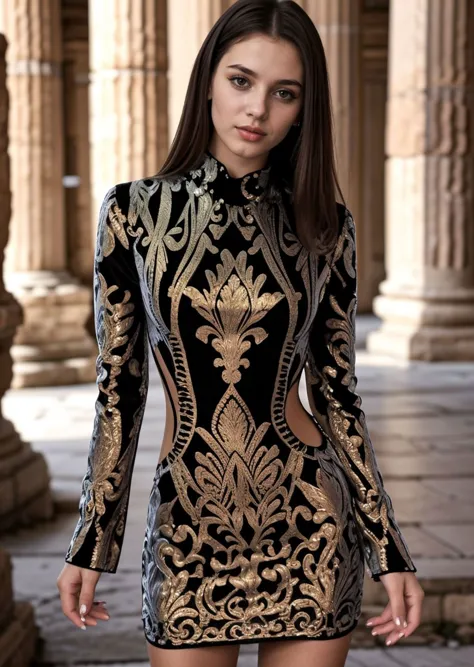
241, 482
106, 480
354, 451
115, 228
242, 490
232, 305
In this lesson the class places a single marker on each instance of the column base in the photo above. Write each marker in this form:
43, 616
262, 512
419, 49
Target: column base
18, 633
52, 346
25, 496
430, 330
49, 373
422, 345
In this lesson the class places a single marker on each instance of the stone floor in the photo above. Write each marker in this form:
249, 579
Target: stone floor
422, 423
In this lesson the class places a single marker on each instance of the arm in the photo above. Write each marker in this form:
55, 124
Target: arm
331, 385
122, 380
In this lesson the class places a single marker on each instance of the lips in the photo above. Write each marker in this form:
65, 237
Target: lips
255, 130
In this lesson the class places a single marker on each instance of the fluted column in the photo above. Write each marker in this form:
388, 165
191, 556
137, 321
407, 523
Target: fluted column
80, 236
184, 41
370, 226
427, 301
339, 24
24, 480
51, 346
129, 126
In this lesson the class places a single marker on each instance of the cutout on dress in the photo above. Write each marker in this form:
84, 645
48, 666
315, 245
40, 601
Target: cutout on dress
299, 420
171, 396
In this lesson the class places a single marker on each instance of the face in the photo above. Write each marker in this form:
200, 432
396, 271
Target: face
258, 83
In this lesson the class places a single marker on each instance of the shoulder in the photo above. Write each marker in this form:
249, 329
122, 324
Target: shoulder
346, 221
131, 197
124, 192
344, 254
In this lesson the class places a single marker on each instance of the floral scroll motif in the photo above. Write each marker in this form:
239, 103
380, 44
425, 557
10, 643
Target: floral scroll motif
232, 305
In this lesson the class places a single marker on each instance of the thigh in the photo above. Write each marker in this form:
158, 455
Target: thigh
305, 652
202, 656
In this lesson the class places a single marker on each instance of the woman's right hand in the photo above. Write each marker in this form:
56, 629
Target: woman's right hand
77, 589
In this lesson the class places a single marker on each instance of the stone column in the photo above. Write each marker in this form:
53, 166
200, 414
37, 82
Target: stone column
80, 235
427, 301
370, 226
184, 41
129, 126
51, 346
24, 480
339, 24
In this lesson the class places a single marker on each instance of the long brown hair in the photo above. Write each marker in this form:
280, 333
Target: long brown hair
304, 159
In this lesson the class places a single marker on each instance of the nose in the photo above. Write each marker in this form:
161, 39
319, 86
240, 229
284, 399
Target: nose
257, 106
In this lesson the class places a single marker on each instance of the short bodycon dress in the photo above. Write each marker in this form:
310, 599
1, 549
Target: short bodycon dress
251, 534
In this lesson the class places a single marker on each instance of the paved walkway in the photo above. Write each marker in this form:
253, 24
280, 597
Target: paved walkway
421, 420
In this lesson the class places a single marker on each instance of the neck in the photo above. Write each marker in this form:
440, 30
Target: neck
236, 165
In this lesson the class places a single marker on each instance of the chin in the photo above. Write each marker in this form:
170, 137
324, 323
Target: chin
245, 149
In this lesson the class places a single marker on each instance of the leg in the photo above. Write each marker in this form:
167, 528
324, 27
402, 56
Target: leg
205, 656
304, 653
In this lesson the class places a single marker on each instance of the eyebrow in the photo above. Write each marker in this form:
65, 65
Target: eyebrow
285, 82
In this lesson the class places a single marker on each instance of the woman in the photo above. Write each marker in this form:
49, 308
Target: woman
238, 266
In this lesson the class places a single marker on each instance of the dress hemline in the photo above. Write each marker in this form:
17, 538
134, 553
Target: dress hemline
253, 640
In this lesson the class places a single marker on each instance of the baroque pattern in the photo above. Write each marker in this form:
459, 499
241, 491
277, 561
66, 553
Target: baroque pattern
252, 534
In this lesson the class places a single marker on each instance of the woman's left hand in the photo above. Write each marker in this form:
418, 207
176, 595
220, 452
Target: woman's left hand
402, 615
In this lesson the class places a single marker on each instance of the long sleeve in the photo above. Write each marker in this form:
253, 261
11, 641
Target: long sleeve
122, 380
331, 385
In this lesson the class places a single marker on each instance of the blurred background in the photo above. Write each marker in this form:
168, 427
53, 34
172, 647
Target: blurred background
91, 93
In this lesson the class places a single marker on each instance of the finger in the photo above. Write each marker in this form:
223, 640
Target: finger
384, 617
90, 621
102, 615
383, 629
396, 594
86, 598
69, 607
398, 607
413, 616
394, 637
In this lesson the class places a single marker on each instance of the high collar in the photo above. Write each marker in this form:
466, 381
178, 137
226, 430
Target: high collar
212, 176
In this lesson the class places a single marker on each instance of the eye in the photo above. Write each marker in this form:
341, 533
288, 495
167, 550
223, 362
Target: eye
235, 78
292, 96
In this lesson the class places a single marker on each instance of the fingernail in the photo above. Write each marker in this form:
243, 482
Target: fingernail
398, 621
369, 622
374, 632
389, 641
401, 634
83, 627
405, 624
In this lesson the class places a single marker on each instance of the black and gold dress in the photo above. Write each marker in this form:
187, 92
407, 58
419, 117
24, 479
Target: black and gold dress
251, 533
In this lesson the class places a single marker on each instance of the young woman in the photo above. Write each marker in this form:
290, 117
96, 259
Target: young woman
237, 265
